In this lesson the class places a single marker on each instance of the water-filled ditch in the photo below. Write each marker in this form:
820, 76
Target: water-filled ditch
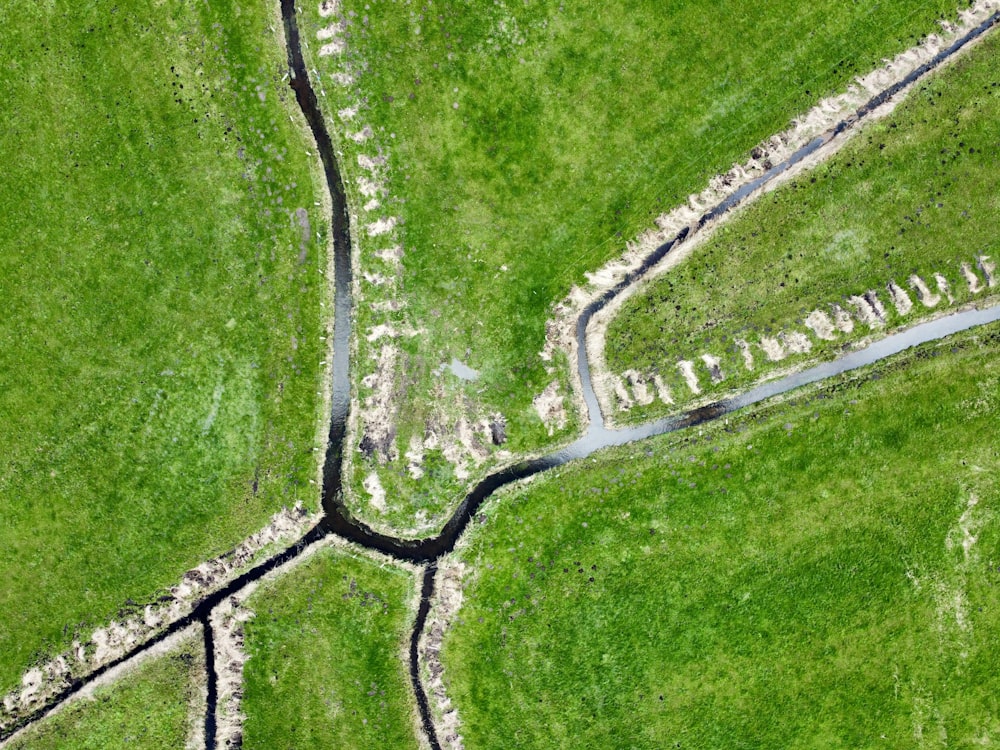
337, 519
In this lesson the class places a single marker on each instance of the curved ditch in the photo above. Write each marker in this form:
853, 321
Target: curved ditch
428, 550
337, 519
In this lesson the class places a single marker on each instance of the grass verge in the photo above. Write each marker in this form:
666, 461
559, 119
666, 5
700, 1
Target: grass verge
912, 195
327, 657
154, 707
823, 570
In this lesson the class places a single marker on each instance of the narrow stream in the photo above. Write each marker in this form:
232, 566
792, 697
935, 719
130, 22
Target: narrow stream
337, 518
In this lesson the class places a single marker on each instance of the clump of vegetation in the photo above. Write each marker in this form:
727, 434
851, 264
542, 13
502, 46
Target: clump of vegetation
821, 567
159, 265
911, 196
327, 665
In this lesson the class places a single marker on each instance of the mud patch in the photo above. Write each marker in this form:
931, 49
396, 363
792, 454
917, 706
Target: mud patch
943, 287
640, 387
376, 493
927, 298
745, 352
900, 299
378, 438
796, 342
988, 269
662, 390
621, 394
842, 320
550, 407
686, 369
866, 312
819, 323
772, 348
714, 366
415, 457
975, 285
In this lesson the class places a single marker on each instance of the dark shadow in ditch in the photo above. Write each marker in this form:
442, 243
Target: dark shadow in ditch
212, 682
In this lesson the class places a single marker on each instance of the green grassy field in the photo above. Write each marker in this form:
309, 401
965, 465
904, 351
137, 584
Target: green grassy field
527, 142
327, 665
159, 271
152, 708
818, 572
913, 194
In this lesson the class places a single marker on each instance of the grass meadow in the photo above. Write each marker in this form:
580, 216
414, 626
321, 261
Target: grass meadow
526, 143
822, 571
327, 666
915, 193
155, 707
160, 257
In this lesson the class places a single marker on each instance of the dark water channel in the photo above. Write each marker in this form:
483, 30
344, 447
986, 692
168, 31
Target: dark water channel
337, 519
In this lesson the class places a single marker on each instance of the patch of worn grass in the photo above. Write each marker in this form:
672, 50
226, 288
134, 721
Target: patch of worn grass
153, 708
159, 347
327, 650
820, 571
527, 142
913, 194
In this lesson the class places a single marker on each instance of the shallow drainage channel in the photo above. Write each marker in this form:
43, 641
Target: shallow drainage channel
337, 519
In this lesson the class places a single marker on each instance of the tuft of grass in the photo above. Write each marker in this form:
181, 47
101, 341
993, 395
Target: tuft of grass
159, 347
153, 708
576, 124
915, 193
822, 570
327, 651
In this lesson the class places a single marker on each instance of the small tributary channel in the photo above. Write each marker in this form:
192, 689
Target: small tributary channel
338, 520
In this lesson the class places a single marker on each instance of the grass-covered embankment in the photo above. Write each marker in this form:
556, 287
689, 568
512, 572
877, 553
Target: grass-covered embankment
915, 193
327, 666
821, 571
159, 705
526, 143
159, 270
